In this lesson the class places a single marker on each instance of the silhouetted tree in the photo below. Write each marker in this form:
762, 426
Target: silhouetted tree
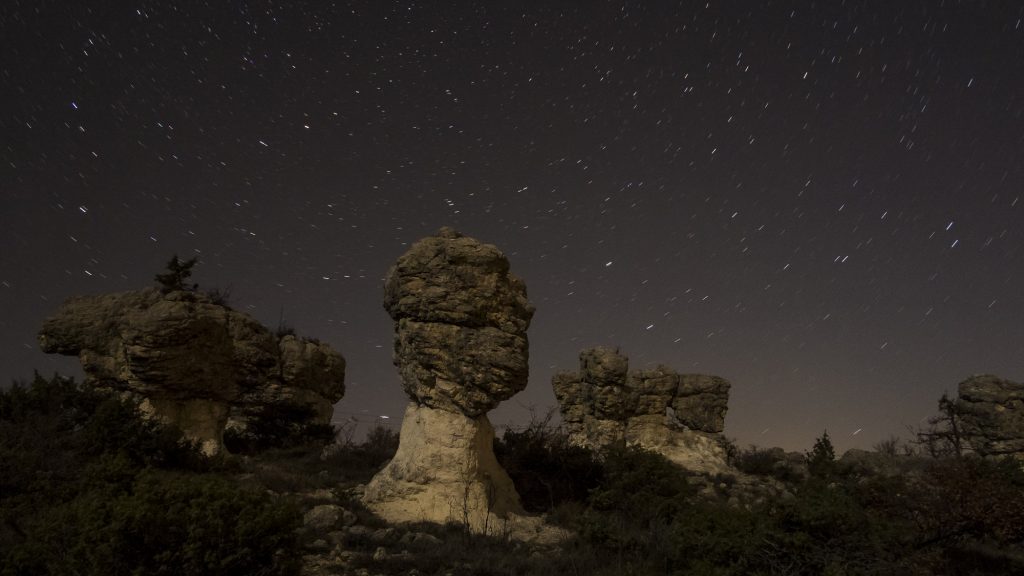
177, 275
821, 460
943, 436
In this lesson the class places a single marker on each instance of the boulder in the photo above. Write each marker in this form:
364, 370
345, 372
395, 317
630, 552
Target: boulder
992, 415
191, 361
323, 517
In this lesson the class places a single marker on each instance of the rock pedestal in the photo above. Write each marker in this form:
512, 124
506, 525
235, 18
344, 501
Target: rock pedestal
192, 362
444, 471
460, 348
678, 415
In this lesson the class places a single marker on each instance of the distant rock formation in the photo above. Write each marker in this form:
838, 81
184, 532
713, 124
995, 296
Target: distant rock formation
461, 348
992, 415
678, 415
192, 362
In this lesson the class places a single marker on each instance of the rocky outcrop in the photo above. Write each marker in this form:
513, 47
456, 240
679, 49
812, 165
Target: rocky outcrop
991, 413
679, 415
192, 362
460, 348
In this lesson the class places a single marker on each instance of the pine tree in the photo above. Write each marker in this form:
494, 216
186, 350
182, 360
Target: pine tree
821, 460
177, 275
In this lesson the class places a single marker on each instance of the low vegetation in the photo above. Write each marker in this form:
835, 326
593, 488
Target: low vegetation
87, 486
954, 515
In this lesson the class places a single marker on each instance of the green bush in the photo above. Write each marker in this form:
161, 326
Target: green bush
546, 469
88, 486
277, 426
631, 512
710, 539
166, 523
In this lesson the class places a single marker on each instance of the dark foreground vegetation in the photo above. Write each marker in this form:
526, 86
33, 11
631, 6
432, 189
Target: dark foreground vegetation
89, 487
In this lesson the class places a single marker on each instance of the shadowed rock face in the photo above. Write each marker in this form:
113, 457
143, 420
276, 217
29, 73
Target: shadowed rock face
992, 414
679, 415
460, 324
461, 348
194, 363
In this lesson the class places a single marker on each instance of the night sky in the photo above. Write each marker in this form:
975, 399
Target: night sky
821, 201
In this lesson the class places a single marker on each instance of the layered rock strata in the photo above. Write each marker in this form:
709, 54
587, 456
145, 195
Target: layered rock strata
678, 415
192, 362
460, 348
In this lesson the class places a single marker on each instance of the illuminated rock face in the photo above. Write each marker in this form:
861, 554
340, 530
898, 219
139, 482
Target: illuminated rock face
992, 414
679, 415
460, 324
461, 348
192, 362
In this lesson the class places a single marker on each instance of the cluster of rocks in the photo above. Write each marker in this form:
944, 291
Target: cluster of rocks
193, 362
337, 541
991, 411
679, 415
460, 348
341, 539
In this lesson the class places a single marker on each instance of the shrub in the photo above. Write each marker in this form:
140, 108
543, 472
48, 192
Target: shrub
276, 426
220, 296
821, 460
757, 461
167, 523
89, 486
715, 539
176, 277
546, 469
889, 447
631, 511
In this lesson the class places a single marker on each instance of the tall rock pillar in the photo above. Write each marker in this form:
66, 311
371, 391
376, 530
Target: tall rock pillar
461, 349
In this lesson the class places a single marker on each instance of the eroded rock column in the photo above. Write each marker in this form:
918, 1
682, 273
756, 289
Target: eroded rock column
461, 349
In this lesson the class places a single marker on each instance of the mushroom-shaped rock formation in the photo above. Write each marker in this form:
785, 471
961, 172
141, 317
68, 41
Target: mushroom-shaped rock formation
460, 348
679, 415
992, 415
192, 362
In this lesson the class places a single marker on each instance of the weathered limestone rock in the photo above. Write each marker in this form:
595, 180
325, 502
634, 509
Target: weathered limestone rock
444, 471
992, 415
461, 348
678, 415
460, 324
192, 362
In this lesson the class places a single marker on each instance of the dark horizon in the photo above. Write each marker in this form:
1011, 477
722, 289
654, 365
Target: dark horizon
820, 204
